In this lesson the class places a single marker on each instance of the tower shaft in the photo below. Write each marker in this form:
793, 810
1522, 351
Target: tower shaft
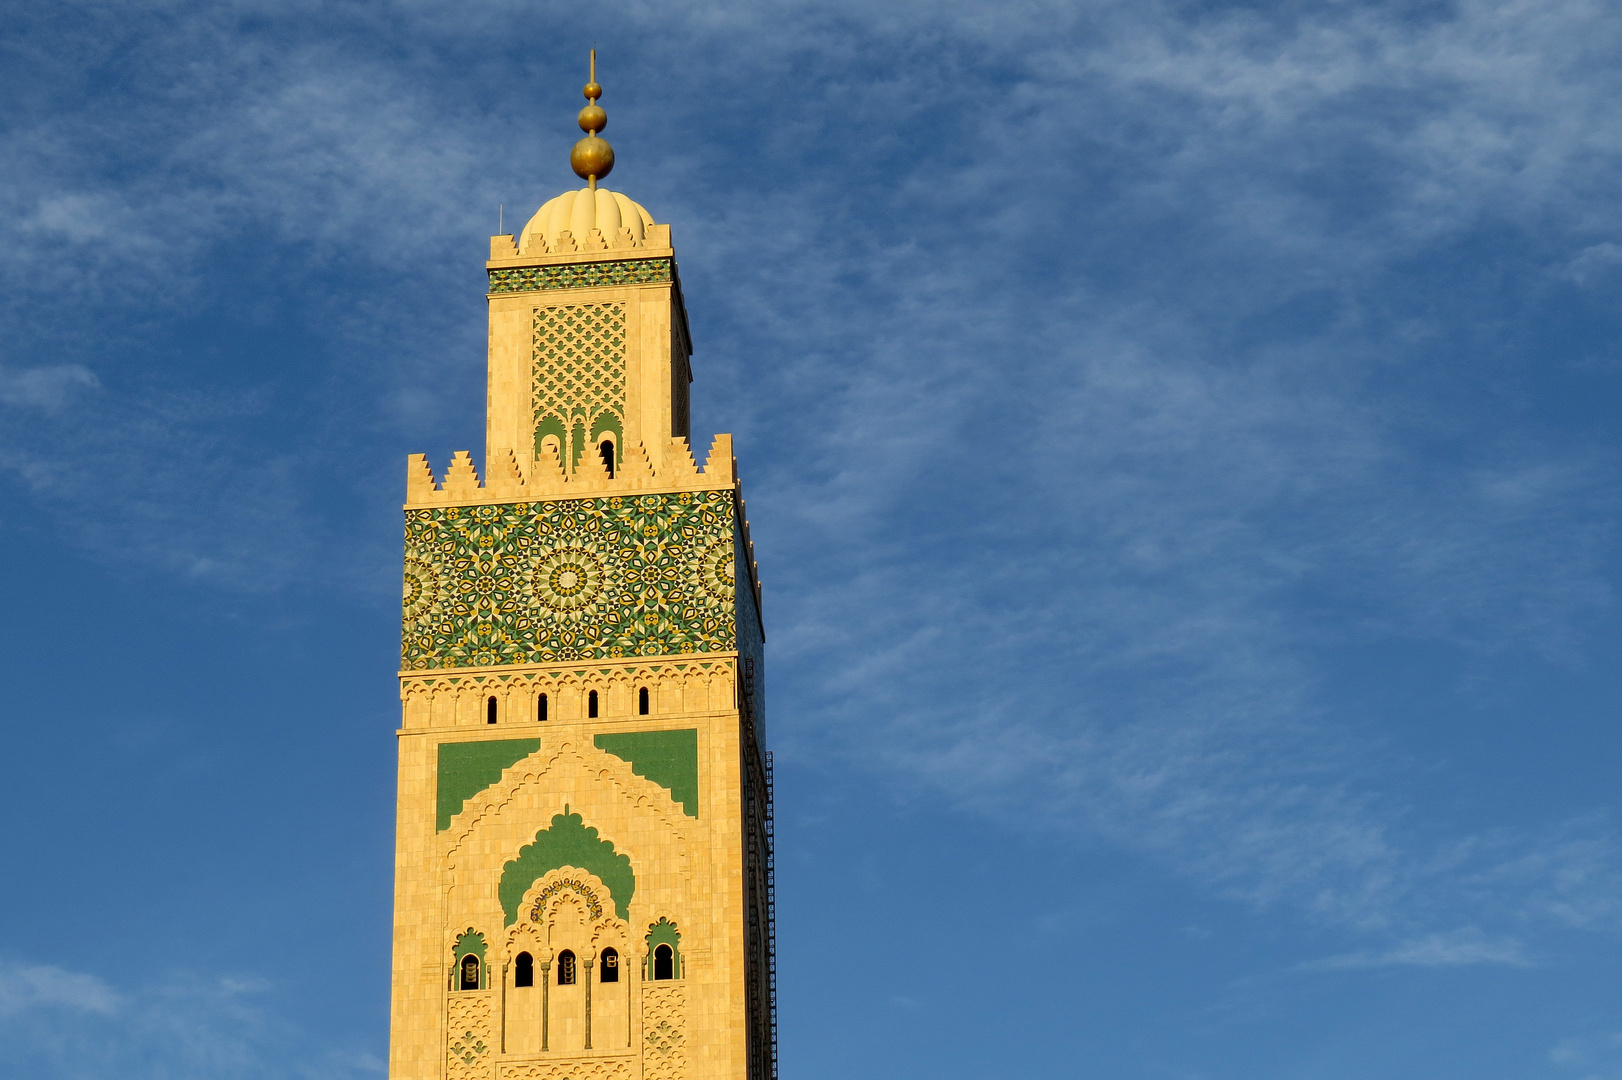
583, 840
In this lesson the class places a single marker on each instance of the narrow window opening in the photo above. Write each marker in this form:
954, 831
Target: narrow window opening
591, 704
664, 963
611, 965
524, 970
540, 709
565, 968
642, 701
470, 972
606, 449
490, 711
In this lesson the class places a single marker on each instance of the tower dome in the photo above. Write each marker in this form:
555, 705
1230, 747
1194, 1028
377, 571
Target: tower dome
579, 212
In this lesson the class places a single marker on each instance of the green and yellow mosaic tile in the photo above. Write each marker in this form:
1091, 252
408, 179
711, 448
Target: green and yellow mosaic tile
578, 579
580, 275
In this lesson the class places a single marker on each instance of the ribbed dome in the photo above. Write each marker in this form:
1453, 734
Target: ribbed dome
579, 212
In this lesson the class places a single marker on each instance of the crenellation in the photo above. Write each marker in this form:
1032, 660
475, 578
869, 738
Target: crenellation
462, 479
420, 483
505, 480
502, 478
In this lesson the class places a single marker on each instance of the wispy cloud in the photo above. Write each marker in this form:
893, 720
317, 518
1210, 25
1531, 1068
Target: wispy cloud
1456, 949
1092, 400
71, 1025
44, 387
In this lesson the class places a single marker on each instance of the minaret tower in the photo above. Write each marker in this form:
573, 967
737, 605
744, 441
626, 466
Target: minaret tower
583, 864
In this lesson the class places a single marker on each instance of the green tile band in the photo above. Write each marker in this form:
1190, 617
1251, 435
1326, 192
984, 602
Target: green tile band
580, 275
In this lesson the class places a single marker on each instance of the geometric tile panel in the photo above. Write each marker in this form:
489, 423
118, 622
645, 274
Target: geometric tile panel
578, 372
580, 275
574, 579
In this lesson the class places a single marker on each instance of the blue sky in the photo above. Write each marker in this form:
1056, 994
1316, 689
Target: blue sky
1182, 453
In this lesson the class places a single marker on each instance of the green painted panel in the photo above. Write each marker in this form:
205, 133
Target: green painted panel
664, 932
470, 942
575, 579
668, 758
467, 768
568, 842
580, 275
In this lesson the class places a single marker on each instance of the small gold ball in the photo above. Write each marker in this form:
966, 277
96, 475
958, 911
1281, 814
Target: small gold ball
592, 156
593, 119
593, 91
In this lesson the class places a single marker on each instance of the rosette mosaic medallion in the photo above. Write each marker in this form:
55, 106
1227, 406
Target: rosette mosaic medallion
649, 575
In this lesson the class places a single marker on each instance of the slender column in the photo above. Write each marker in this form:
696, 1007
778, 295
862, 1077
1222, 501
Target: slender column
504, 1006
626, 973
589, 960
546, 1000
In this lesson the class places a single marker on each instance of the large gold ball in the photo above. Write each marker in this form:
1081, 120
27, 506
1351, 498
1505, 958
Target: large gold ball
593, 119
592, 156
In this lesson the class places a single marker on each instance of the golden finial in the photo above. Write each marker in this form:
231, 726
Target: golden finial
592, 158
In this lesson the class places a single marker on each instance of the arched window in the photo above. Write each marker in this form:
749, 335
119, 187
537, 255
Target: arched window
565, 968
611, 966
490, 711
524, 970
540, 709
664, 951
469, 973
606, 449
591, 703
642, 701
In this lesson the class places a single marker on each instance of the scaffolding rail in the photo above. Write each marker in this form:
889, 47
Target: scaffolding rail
771, 912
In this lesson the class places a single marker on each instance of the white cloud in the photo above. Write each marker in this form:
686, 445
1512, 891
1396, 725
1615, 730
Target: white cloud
74, 1025
25, 987
44, 387
1457, 948
1058, 509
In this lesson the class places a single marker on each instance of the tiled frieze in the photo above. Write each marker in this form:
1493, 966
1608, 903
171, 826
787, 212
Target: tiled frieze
577, 1069
580, 275
535, 583
457, 698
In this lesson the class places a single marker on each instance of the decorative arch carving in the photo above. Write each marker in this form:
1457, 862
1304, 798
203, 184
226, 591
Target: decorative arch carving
567, 842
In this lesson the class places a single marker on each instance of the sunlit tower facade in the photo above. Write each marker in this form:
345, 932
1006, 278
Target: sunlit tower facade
583, 873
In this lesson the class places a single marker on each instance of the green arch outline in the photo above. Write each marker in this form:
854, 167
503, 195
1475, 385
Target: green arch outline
568, 841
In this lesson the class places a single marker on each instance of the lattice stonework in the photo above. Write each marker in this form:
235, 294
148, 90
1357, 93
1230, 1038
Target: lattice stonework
579, 374
584, 1069
577, 579
580, 275
467, 1036
664, 1028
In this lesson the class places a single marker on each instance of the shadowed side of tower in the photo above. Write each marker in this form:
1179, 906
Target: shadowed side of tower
583, 868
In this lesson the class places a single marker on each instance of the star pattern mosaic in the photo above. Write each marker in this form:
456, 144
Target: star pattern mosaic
580, 275
579, 579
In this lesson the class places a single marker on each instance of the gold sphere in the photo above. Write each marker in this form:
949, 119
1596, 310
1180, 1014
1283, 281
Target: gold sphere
593, 119
593, 91
592, 156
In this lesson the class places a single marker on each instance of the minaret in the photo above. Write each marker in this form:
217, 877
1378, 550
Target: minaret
583, 865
